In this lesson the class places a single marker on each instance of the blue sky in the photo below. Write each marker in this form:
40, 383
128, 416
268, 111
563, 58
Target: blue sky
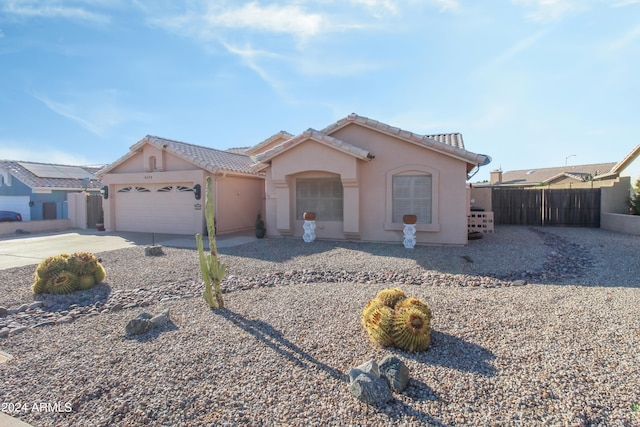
532, 83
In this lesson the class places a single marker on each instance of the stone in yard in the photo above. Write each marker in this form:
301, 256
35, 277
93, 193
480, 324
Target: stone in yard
153, 250
395, 372
146, 322
138, 326
3, 311
161, 319
370, 389
368, 367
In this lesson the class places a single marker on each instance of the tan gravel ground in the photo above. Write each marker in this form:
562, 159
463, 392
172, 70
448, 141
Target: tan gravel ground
543, 354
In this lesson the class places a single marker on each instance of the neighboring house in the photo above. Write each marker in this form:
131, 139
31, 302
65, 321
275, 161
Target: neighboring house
39, 190
361, 176
596, 175
159, 186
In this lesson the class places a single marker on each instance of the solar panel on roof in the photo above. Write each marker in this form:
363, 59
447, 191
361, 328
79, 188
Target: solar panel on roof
57, 171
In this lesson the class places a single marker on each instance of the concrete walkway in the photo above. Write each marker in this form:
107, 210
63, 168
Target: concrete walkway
17, 251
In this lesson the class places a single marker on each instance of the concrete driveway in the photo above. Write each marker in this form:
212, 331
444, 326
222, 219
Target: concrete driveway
16, 251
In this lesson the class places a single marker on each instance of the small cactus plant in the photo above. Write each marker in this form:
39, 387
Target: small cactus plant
210, 266
64, 273
392, 319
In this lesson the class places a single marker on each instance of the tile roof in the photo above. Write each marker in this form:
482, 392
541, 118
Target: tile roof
320, 137
17, 169
210, 159
545, 175
449, 143
237, 150
280, 135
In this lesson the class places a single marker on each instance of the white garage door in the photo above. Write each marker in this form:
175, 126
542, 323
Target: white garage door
18, 204
165, 208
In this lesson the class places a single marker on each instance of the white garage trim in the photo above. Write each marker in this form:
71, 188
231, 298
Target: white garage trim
155, 208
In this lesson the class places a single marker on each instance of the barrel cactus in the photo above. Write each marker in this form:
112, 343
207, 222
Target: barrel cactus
64, 273
392, 319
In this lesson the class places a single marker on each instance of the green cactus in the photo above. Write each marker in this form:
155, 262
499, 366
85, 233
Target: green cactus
100, 274
210, 266
52, 266
411, 329
64, 282
39, 285
379, 324
82, 263
390, 297
66, 273
393, 319
86, 282
415, 303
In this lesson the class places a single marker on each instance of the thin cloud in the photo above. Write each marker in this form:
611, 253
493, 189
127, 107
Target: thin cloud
549, 10
625, 3
514, 50
250, 57
378, 8
628, 39
446, 5
97, 112
39, 155
44, 9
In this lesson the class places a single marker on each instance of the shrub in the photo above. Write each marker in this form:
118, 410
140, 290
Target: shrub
634, 201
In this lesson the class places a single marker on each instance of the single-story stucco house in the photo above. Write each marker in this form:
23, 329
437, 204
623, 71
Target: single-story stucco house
361, 176
159, 187
39, 191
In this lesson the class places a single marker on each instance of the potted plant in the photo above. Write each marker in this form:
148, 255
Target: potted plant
260, 228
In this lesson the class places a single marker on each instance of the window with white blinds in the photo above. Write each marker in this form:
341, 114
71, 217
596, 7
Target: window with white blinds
324, 196
412, 196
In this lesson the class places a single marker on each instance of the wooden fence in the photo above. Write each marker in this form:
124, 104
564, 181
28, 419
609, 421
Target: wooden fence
568, 207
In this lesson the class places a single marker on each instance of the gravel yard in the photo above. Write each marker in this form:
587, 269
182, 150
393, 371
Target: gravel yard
561, 350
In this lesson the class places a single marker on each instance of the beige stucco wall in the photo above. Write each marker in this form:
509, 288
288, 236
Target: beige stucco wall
238, 201
367, 188
237, 198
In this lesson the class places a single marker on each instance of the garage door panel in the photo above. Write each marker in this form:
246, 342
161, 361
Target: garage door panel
165, 208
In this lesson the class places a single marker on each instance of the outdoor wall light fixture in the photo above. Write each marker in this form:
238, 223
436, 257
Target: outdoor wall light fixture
105, 191
197, 189
31, 203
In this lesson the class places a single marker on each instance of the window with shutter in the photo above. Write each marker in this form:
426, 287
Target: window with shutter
324, 196
412, 196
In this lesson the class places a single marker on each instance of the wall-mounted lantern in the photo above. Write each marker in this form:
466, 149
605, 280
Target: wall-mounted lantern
197, 191
105, 191
31, 203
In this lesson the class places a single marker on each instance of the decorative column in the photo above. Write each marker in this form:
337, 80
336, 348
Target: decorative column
309, 227
409, 231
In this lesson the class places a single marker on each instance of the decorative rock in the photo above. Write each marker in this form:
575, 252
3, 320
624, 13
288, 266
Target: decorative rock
3, 311
116, 307
368, 367
370, 389
138, 326
153, 250
145, 322
4, 332
161, 319
395, 372
367, 386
